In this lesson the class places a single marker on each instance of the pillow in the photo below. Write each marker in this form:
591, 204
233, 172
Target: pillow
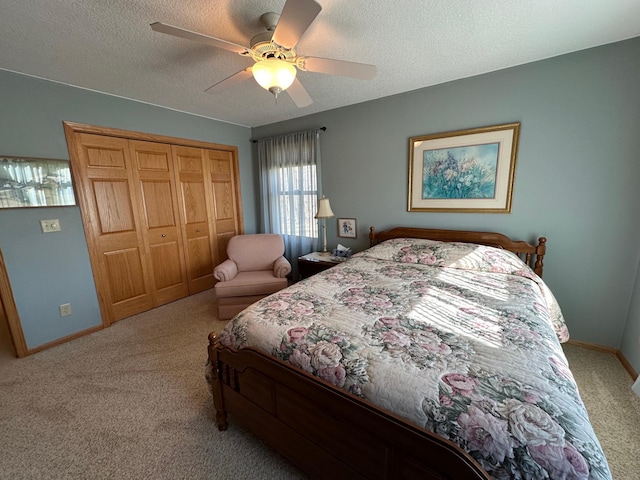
465, 256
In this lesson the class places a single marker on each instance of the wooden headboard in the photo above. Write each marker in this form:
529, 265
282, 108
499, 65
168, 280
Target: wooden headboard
532, 255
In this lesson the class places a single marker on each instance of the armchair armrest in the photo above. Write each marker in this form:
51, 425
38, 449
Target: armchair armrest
226, 271
281, 267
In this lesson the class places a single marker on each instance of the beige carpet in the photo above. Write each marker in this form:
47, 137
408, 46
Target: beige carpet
128, 402
614, 410
131, 402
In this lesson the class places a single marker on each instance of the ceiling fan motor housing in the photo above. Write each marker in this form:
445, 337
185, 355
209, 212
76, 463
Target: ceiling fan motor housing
262, 46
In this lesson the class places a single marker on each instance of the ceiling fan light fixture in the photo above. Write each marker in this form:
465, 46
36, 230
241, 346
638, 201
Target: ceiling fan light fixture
274, 75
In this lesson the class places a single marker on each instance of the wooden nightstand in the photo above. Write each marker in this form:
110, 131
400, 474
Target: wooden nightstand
312, 263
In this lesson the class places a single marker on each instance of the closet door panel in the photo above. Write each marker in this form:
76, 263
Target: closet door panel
167, 254
195, 203
227, 215
129, 290
164, 240
103, 175
107, 153
194, 199
201, 259
113, 204
158, 207
222, 241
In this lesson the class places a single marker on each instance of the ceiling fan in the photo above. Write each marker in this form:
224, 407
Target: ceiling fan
274, 53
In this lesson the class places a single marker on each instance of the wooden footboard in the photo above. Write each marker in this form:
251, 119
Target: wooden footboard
325, 431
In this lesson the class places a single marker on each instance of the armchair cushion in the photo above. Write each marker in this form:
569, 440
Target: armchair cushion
226, 271
261, 282
255, 252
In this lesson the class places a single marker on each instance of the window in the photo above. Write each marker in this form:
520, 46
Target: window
298, 200
289, 186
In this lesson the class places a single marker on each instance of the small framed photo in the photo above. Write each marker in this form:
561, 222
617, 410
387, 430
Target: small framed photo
347, 228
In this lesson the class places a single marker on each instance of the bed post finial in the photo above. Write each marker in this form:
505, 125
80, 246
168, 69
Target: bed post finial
541, 249
372, 235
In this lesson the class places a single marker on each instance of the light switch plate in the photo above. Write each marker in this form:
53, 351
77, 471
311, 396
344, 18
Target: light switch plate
49, 226
65, 309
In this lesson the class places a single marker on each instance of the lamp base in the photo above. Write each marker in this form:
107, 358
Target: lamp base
324, 254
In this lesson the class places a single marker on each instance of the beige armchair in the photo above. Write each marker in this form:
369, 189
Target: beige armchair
255, 268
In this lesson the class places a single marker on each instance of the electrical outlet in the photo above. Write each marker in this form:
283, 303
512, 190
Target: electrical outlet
49, 226
65, 310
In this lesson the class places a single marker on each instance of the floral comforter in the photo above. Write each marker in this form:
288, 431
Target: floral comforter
461, 339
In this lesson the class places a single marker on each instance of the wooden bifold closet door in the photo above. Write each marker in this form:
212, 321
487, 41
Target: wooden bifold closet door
197, 230
153, 175
157, 214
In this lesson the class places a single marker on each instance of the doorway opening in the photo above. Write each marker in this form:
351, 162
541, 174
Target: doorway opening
12, 341
6, 343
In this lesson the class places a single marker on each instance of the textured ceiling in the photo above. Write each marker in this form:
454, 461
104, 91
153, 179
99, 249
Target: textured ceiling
108, 46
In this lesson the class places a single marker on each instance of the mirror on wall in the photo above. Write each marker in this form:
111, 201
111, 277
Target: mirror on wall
35, 182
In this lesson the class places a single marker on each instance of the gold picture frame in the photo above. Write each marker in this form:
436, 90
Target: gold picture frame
468, 171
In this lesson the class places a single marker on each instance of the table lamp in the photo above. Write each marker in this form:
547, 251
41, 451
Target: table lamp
324, 212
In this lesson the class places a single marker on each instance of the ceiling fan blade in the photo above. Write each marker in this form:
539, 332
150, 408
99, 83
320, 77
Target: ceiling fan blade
298, 94
198, 37
296, 17
231, 81
362, 71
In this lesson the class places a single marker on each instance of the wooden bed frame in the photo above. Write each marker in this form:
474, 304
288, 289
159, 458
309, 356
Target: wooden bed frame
327, 432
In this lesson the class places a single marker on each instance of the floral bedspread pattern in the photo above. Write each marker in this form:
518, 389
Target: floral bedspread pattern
461, 339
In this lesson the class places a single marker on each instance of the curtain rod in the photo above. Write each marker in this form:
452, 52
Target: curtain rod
319, 130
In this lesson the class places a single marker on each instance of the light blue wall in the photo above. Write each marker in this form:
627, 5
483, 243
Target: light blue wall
631, 337
47, 270
576, 178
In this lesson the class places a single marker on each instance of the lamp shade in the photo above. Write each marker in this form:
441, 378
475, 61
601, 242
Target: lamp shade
274, 74
324, 208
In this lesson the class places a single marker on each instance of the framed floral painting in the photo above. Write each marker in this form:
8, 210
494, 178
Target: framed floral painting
463, 171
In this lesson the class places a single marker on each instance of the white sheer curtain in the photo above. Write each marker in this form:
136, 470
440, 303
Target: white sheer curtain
289, 167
